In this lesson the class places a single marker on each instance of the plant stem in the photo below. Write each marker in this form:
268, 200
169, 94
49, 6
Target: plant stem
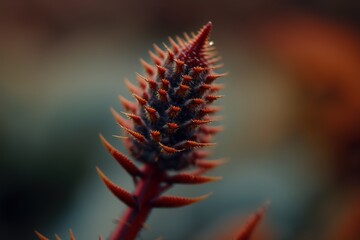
133, 219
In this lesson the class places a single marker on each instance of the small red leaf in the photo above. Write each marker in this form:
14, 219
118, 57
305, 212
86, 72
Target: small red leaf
126, 163
176, 201
119, 192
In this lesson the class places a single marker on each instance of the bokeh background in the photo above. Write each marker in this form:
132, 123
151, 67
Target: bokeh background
291, 115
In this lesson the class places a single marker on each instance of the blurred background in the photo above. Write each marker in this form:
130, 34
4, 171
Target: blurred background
291, 116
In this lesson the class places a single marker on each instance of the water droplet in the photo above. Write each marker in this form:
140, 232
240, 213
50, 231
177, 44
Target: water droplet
211, 43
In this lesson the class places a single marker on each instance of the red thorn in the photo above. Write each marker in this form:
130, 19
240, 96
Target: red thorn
193, 144
216, 87
136, 119
165, 84
141, 100
129, 106
211, 98
170, 55
119, 192
208, 110
187, 38
199, 122
40, 236
159, 51
211, 130
137, 136
186, 79
180, 41
152, 113
57, 237
163, 95
119, 119
161, 71
211, 77
200, 154
218, 66
197, 71
202, 89
72, 237
184, 178
155, 58
149, 69
250, 225
194, 103
155, 135
172, 126
168, 150
182, 90
176, 201
174, 46
132, 88
179, 65
141, 80
214, 60
210, 164
125, 162
173, 111
201, 38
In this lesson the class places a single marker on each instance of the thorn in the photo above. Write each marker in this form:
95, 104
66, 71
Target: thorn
186, 79
168, 150
250, 225
141, 80
159, 51
218, 66
140, 100
194, 103
132, 88
57, 237
182, 90
40, 236
184, 178
187, 37
170, 55
176, 201
165, 84
211, 77
137, 136
162, 94
208, 110
129, 106
173, 111
119, 192
200, 154
179, 66
152, 113
180, 42
210, 164
135, 118
125, 162
100, 238
148, 67
172, 126
71, 234
212, 98
155, 135
194, 144
119, 119
211, 130
199, 122
196, 71
120, 137
214, 60
202, 89
155, 58
216, 87
174, 46
161, 71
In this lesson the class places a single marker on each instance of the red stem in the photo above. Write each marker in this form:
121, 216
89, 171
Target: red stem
133, 219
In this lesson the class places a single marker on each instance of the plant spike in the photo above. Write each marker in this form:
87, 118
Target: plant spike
252, 222
168, 123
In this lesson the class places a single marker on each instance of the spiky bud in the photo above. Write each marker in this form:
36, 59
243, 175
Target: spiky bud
179, 91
